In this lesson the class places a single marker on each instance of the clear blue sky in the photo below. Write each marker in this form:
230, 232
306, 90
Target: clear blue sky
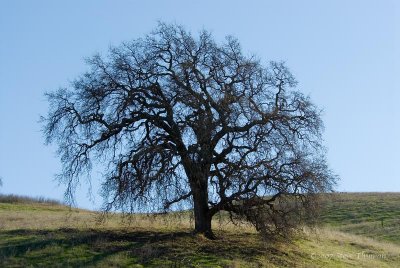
345, 55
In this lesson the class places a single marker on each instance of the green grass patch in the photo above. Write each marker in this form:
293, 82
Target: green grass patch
94, 247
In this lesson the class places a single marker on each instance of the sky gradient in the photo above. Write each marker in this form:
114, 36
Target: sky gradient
344, 54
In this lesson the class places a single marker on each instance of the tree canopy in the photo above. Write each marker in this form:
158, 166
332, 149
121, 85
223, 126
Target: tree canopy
176, 118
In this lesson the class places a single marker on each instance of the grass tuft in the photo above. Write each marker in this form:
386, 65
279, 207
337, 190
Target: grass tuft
13, 199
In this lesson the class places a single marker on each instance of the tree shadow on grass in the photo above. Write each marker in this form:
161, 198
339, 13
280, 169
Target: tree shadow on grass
93, 247
75, 247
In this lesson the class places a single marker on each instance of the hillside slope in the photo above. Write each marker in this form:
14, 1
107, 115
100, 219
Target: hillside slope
376, 215
49, 234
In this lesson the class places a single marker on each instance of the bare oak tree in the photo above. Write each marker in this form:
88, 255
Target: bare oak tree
174, 118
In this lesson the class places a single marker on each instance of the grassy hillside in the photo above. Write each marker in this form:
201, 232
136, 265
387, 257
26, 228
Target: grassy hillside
41, 234
376, 215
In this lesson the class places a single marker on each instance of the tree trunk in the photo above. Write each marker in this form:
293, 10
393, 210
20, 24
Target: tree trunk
202, 215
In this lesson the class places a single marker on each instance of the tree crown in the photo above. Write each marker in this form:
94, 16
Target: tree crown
169, 114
